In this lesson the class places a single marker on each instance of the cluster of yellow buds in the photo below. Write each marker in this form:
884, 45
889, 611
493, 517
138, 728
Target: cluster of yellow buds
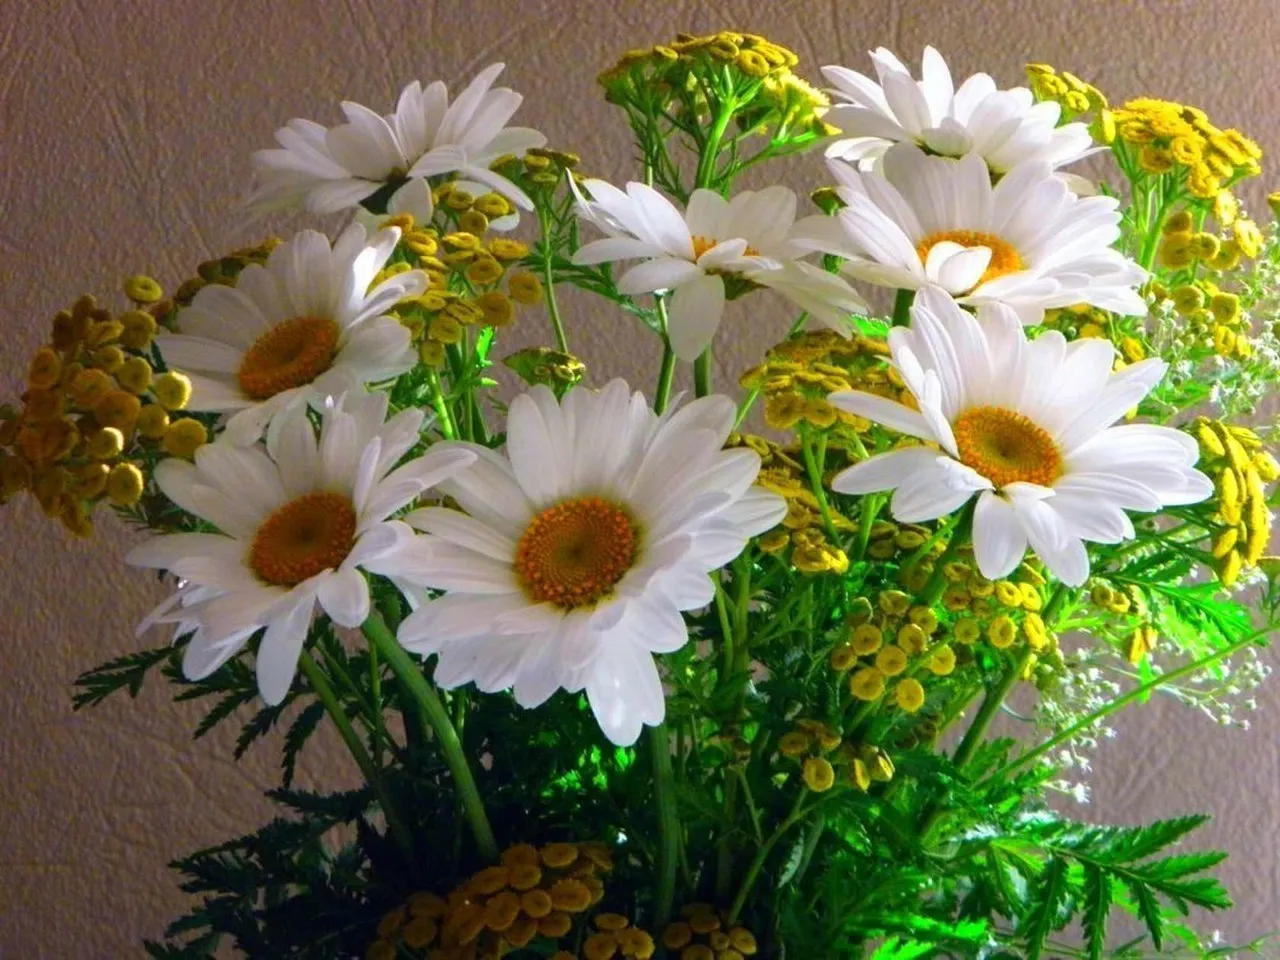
1081, 321
799, 373
1183, 247
547, 366
1214, 315
467, 271
769, 92
1002, 613
539, 171
534, 894
807, 742
1075, 97
1234, 458
95, 412
700, 934
1168, 135
224, 270
802, 530
891, 642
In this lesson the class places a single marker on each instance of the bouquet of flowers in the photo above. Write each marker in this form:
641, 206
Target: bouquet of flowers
622, 678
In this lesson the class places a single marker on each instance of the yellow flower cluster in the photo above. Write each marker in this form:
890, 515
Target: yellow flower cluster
1183, 247
1082, 320
780, 96
539, 170
224, 270
889, 643
821, 751
1169, 135
534, 893
547, 366
1075, 97
802, 529
466, 271
1003, 613
1234, 458
700, 934
95, 411
798, 373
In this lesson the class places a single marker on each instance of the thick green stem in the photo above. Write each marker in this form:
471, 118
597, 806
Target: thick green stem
814, 469
445, 415
711, 149
324, 691
1137, 693
991, 704
663, 392
410, 674
902, 308
549, 284
757, 863
668, 826
702, 374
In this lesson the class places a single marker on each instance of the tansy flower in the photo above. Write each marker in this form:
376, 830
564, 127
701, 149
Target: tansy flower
296, 522
1027, 425
1003, 127
574, 553
714, 250
332, 169
1027, 241
303, 327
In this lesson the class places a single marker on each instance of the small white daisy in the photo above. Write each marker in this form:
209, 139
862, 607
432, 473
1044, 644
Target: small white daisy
573, 555
327, 170
715, 249
1028, 426
1027, 241
303, 327
1004, 127
297, 521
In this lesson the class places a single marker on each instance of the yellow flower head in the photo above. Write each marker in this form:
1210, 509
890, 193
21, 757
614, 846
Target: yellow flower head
909, 694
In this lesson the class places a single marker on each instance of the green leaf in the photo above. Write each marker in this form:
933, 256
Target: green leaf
123, 673
896, 949
1148, 911
1096, 902
299, 732
1050, 911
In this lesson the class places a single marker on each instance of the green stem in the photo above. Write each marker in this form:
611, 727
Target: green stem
1137, 693
814, 469
319, 682
902, 308
549, 286
410, 674
757, 863
668, 826
447, 426
663, 392
711, 149
991, 704
959, 537
702, 374
1151, 242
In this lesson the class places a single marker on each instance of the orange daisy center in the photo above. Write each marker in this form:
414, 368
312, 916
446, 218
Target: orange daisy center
1004, 258
306, 536
1006, 447
288, 355
574, 553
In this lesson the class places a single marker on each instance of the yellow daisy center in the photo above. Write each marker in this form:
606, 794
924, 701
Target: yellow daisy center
574, 553
1006, 447
307, 535
702, 244
288, 355
1004, 258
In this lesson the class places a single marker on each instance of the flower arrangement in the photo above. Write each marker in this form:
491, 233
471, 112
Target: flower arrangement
622, 678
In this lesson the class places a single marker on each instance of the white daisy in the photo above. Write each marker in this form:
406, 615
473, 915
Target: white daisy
1027, 241
714, 248
328, 170
303, 327
574, 553
1004, 127
1028, 426
297, 521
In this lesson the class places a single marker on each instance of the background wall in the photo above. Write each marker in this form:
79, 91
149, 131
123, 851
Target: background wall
124, 143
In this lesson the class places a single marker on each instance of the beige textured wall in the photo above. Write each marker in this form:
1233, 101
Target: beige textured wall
124, 139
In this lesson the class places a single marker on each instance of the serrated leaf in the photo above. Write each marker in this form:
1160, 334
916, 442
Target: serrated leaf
1096, 903
223, 709
1148, 911
299, 732
1050, 898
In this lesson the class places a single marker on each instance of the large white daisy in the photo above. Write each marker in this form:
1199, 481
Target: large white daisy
1026, 425
699, 253
1027, 241
574, 553
1004, 127
297, 520
328, 170
303, 327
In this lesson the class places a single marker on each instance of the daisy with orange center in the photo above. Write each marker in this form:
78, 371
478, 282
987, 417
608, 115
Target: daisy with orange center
693, 253
304, 327
1027, 241
299, 522
1027, 426
572, 555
